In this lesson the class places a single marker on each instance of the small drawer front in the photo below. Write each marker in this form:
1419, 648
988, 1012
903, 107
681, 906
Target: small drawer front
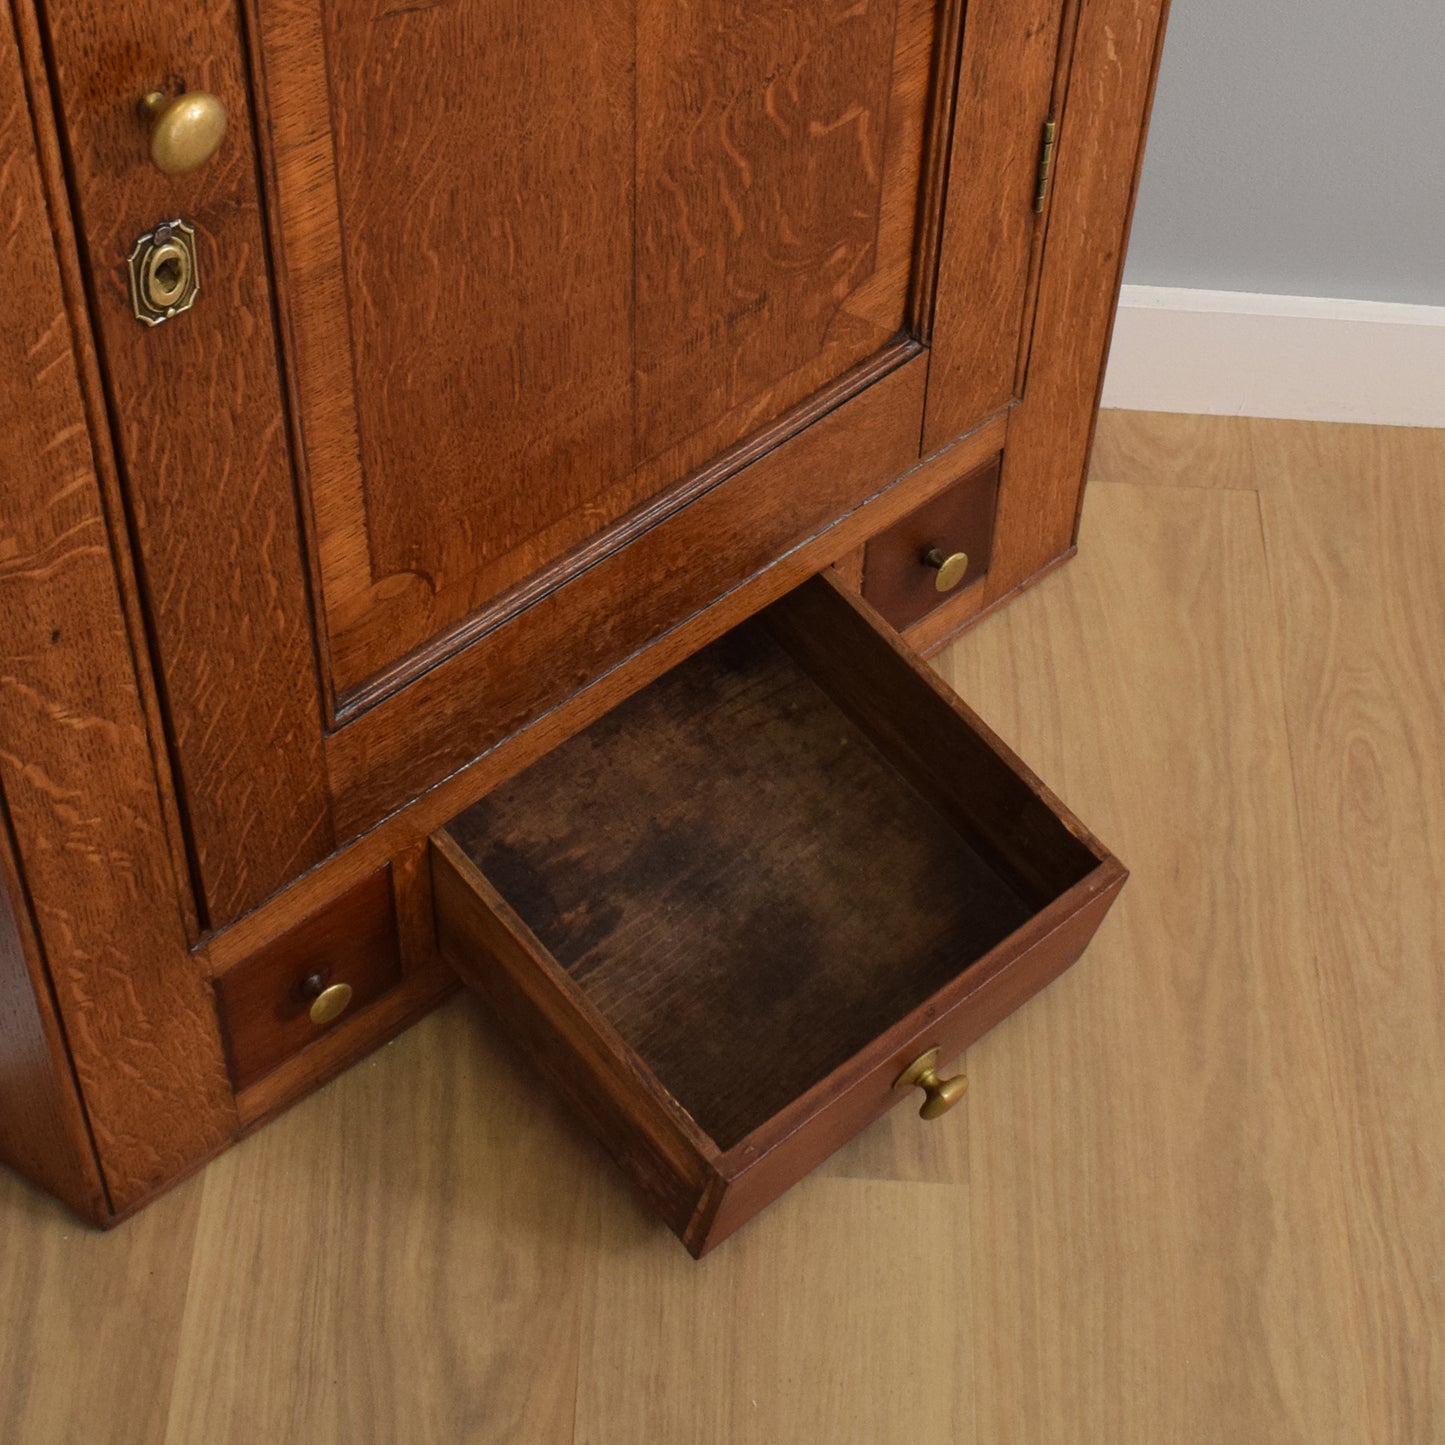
726, 918
915, 565
310, 980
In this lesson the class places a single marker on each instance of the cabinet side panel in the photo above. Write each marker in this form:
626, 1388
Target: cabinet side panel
76, 767
42, 1128
1010, 53
1101, 143
200, 427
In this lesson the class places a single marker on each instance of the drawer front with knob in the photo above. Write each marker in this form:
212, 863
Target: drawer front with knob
763, 900
935, 553
310, 980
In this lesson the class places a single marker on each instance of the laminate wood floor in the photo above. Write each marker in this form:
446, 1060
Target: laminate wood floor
1196, 1192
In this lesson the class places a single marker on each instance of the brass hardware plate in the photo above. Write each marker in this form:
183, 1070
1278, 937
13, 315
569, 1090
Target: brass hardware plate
164, 280
1046, 163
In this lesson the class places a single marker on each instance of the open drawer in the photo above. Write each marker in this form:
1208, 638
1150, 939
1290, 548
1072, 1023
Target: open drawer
728, 917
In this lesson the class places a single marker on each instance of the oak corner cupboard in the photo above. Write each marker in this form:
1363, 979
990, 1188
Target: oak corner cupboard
478, 479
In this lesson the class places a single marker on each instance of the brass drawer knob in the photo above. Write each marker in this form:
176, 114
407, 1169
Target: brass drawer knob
186, 130
327, 1003
942, 1094
948, 571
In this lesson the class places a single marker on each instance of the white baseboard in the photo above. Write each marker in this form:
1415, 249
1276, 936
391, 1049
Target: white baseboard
1233, 353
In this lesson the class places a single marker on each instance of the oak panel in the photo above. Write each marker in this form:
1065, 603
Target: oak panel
736, 541
778, 159
79, 781
540, 264
196, 409
484, 178
42, 1127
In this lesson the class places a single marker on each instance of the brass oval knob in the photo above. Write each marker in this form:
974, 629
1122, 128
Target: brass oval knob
186, 129
327, 1003
949, 571
942, 1094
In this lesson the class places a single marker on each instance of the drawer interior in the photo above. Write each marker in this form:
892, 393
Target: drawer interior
758, 864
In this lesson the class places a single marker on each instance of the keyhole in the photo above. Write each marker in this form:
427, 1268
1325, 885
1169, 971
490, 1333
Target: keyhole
163, 273
167, 276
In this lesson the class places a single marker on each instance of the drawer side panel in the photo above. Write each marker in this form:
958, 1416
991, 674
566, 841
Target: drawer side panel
596, 1080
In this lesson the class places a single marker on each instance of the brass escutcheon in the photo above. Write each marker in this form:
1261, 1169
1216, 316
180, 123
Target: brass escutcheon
163, 279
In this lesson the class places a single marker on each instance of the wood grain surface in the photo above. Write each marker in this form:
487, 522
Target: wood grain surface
1005, 82
745, 541
592, 253
42, 1124
1100, 150
1194, 1193
197, 415
1180, 1186
79, 778
1354, 522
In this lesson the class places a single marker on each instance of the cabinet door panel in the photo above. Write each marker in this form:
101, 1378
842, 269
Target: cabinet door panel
544, 261
540, 278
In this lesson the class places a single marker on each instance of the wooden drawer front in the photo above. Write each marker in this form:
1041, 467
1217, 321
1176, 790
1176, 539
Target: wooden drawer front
726, 917
898, 577
265, 1002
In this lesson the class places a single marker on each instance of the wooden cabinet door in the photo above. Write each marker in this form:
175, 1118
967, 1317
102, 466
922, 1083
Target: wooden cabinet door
544, 261
523, 287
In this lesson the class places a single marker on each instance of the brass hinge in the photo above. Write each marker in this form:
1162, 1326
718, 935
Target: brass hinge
1046, 164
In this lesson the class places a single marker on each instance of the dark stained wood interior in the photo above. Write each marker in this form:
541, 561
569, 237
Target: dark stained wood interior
740, 881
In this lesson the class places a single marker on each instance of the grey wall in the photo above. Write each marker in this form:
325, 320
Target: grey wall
1298, 147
